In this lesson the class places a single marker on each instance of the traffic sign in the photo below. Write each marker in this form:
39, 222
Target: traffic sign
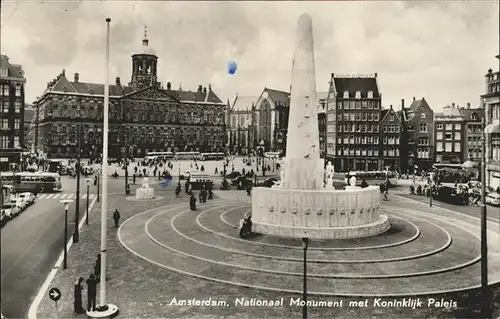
54, 294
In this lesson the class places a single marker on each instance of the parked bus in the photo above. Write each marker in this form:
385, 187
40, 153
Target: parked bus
159, 155
39, 182
187, 155
212, 156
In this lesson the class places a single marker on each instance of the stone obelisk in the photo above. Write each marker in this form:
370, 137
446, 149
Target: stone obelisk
303, 167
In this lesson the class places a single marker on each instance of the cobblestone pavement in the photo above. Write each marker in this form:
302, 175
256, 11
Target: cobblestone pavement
144, 290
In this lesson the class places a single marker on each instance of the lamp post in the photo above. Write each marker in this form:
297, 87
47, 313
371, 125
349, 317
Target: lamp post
485, 306
66, 203
76, 231
87, 181
305, 243
98, 183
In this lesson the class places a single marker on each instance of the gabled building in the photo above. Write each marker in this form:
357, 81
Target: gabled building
473, 118
143, 116
29, 118
417, 136
352, 119
240, 132
390, 138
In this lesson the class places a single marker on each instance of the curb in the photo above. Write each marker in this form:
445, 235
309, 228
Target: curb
32, 312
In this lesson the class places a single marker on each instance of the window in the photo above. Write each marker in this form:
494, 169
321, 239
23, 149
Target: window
358, 116
375, 117
340, 128
16, 141
346, 116
447, 147
458, 126
17, 106
447, 136
346, 94
4, 72
352, 117
346, 105
5, 124
391, 128
457, 147
18, 90
423, 141
358, 105
5, 90
422, 115
458, 136
439, 126
439, 146
376, 105
4, 142
16, 124
358, 94
385, 128
375, 140
391, 118
375, 129
449, 127
339, 117
439, 135
365, 117
423, 127
370, 105
339, 105
363, 105
5, 106
370, 116
370, 94
474, 116
352, 105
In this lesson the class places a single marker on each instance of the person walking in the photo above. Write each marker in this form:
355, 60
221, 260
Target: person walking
91, 292
116, 217
97, 267
78, 288
192, 202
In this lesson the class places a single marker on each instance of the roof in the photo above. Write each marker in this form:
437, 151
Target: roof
281, 98
416, 103
467, 114
321, 95
29, 114
63, 85
14, 70
352, 85
387, 111
383, 113
243, 103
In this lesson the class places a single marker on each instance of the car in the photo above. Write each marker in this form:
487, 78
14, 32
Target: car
4, 218
28, 197
185, 175
19, 202
10, 210
233, 175
241, 180
269, 182
493, 199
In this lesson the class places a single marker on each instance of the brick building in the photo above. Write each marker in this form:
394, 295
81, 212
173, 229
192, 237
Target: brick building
239, 125
473, 133
417, 136
390, 137
353, 115
12, 88
449, 133
143, 116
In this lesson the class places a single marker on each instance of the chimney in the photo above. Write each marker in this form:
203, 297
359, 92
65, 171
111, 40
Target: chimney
118, 83
169, 86
390, 106
333, 74
375, 74
204, 90
402, 104
77, 77
413, 99
200, 88
210, 87
452, 105
468, 105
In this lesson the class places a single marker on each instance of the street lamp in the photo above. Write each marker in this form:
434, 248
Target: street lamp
66, 203
98, 182
87, 181
305, 243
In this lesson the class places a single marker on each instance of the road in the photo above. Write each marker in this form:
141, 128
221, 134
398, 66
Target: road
30, 245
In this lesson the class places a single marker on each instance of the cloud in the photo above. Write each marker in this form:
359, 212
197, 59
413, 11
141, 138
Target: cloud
440, 50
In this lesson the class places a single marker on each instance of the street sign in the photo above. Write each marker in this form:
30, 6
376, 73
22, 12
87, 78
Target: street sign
54, 294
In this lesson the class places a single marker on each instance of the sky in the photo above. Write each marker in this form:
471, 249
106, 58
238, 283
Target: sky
437, 50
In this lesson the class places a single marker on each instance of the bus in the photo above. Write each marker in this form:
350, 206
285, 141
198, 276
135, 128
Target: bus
39, 182
187, 155
272, 154
451, 173
212, 156
159, 156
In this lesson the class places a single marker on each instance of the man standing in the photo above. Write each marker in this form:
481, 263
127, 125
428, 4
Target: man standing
91, 292
97, 267
116, 217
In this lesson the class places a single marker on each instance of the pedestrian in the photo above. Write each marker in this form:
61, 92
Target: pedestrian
216, 172
210, 194
91, 292
133, 178
192, 202
178, 190
116, 217
77, 307
97, 267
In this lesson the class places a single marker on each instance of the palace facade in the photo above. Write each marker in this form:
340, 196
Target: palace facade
143, 115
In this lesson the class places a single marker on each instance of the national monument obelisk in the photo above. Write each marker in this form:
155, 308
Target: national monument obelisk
301, 205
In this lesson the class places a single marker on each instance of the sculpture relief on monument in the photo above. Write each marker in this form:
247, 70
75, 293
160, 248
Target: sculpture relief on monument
297, 206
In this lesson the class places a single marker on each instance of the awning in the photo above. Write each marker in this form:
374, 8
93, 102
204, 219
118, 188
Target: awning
492, 128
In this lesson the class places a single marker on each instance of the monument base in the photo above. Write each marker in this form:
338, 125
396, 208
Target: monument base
320, 214
378, 227
144, 193
107, 311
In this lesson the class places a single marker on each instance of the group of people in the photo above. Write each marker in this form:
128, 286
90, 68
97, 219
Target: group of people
203, 195
91, 282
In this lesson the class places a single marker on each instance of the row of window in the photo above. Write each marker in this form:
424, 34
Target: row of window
5, 124
423, 141
4, 105
447, 147
349, 151
493, 112
6, 90
391, 128
358, 105
423, 153
448, 136
358, 140
4, 141
358, 117
357, 94
358, 128
449, 126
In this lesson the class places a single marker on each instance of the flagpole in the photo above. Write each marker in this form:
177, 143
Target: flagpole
104, 310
